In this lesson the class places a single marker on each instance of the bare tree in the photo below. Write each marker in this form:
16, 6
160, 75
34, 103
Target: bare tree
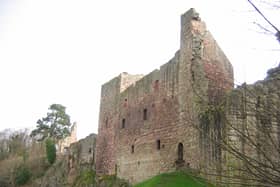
241, 134
274, 4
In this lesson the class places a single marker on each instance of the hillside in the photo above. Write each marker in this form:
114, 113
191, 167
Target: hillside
175, 179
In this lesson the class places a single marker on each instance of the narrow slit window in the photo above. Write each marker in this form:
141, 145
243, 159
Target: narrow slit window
106, 122
158, 144
132, 149
123, 123
145, 114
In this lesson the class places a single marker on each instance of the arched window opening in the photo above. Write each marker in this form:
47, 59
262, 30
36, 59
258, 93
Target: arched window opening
145, 114
180, 152
158, 144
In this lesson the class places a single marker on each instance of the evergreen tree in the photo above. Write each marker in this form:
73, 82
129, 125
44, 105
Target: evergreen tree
55, 126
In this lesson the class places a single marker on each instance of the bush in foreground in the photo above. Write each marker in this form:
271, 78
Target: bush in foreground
51, 151
22, 175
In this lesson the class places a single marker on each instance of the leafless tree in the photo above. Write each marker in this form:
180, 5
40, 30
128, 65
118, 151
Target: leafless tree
274, 4
240, 134
14, 142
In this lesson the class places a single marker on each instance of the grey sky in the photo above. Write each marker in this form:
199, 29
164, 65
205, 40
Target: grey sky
61, 51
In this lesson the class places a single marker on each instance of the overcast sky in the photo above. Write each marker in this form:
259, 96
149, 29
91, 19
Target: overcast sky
62, 51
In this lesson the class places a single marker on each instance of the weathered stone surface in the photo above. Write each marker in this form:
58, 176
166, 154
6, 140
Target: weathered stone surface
66, 142
253, 125
79, 157
143, 120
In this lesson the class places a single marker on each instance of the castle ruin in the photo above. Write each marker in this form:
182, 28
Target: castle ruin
146, 123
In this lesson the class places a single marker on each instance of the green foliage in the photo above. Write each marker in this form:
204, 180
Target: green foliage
51, 151
108, 180
56, 125
86, 178
176, 179
22, 175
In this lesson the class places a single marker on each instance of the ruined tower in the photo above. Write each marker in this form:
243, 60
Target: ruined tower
65, 143
146, 123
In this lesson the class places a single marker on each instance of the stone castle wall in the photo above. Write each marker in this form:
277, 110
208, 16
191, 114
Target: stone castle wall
253, 126
66, 142
146, 124
71, 166
80, 156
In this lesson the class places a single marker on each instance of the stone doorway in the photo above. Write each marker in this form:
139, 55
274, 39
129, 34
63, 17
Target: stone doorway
180, 162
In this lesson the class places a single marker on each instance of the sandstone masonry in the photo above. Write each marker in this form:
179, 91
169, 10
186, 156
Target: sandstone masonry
146, 122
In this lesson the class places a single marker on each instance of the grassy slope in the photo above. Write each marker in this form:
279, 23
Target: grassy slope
175, 179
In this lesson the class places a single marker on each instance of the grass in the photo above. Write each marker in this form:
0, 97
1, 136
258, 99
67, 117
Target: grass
175, 179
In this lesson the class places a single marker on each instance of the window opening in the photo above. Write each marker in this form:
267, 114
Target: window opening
132, 149
158, 144
123, 123
180, 152
106, 123
145, 114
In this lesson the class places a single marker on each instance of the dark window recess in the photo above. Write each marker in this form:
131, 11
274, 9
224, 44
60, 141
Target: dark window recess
180, 152
123, 123
145, 114
89, 150
158, 144
106, 123
132, 149
116, 168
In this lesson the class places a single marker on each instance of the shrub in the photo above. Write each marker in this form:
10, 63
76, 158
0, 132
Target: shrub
86, 178
51, 151
22, 175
